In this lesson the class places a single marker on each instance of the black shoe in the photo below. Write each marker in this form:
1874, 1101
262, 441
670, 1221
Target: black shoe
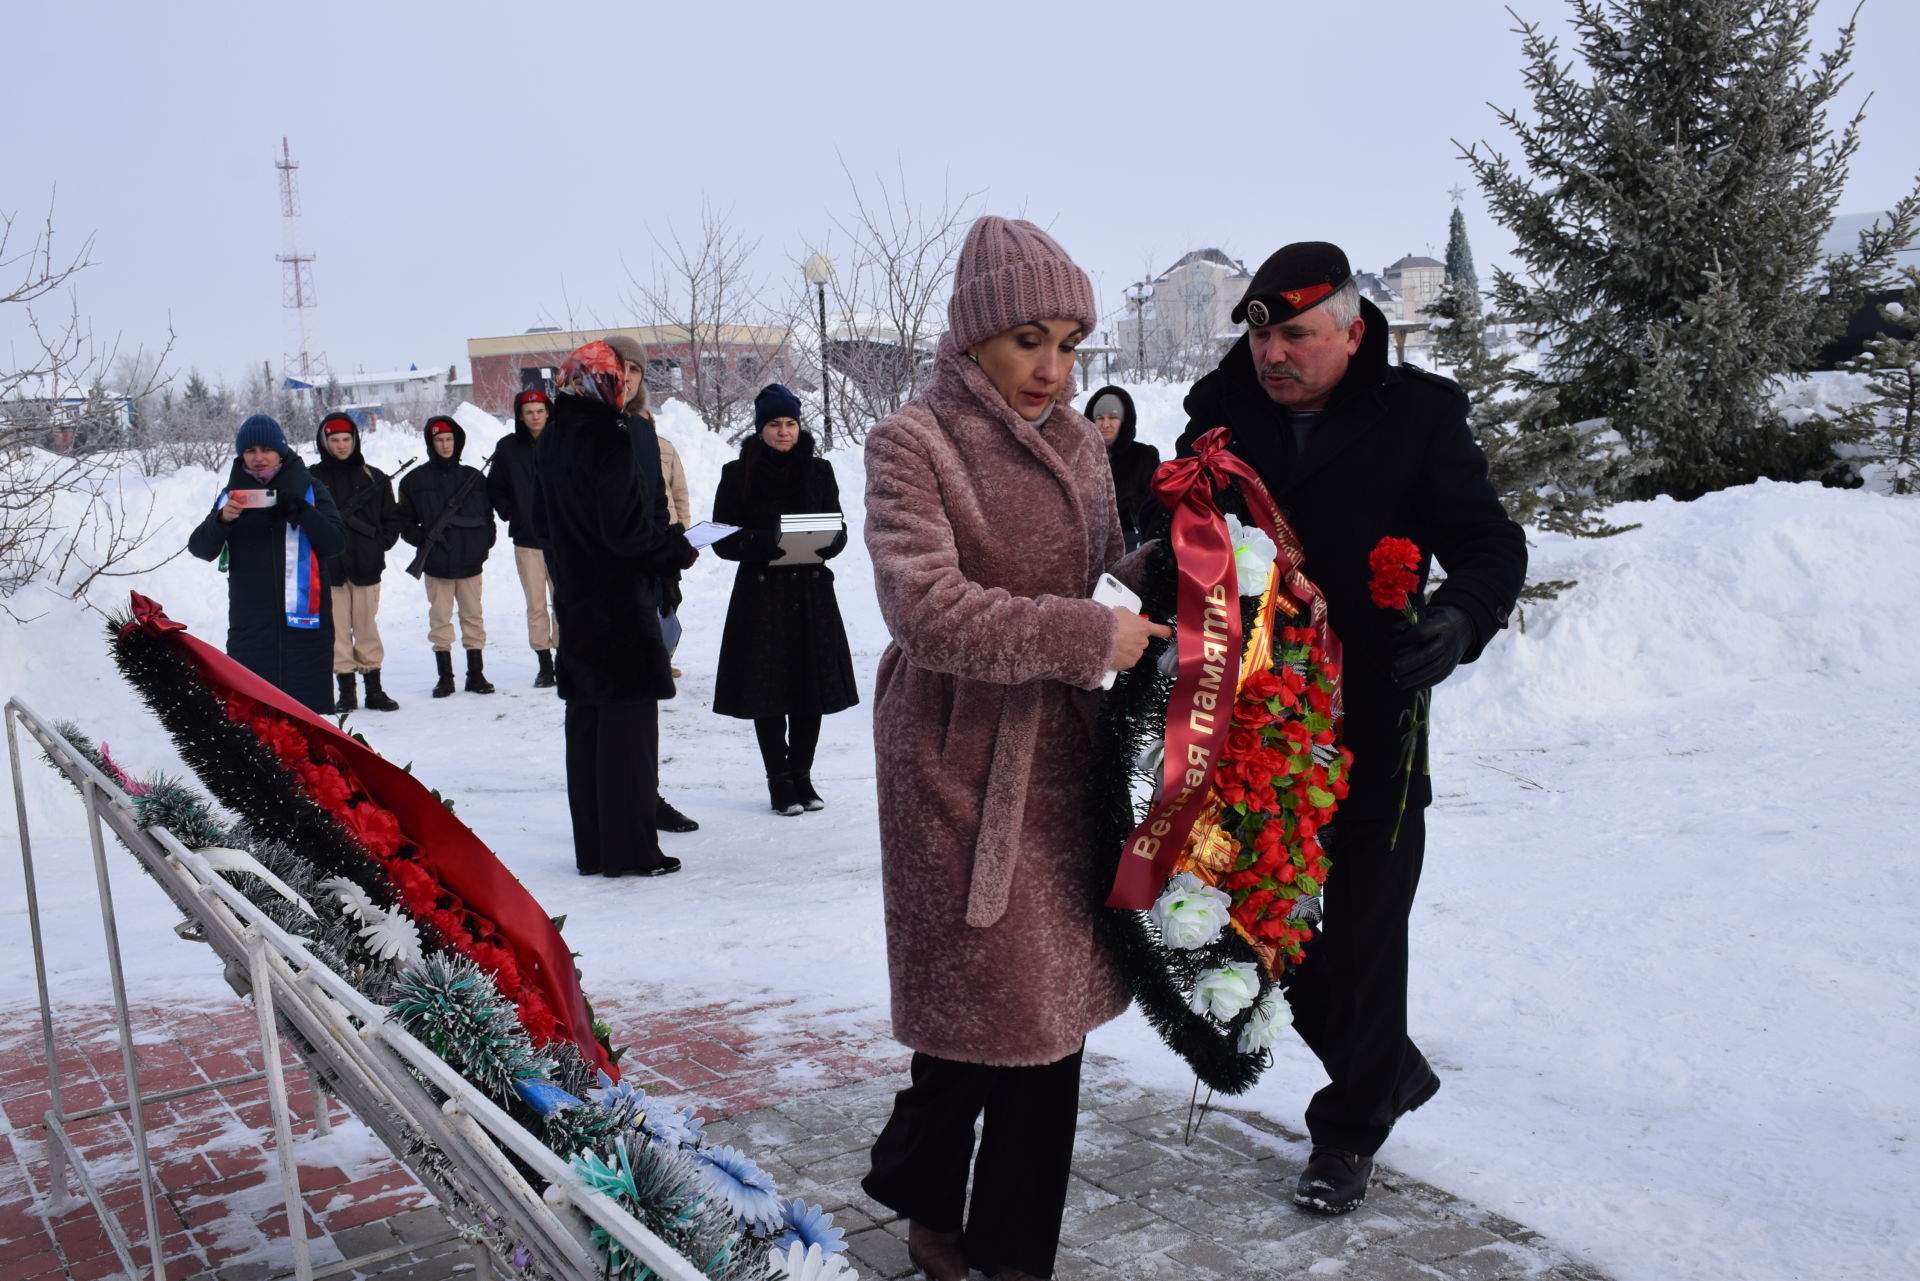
443, 660
477, 682
665, 867
587, 871
780, 793
803, 788
1334, 1181
377, 700
348, 702
668, 819
544, 678
1425, 1089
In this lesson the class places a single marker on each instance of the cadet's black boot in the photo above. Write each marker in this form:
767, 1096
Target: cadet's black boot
443, 659
347, 701
377, 700
543, 679
477, 682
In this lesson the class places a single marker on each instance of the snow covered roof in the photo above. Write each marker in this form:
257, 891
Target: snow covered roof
1212, 257
1414, 261
392, 376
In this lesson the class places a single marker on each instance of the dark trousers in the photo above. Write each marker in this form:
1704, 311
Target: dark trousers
1349, 999
787, 742
613, 782
1020, 1177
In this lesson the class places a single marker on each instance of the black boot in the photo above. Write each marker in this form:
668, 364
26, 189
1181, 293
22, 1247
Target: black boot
477, 682
347, 701
803, 788
443, 660
1334, 1181
543, 679
668, 819
780, 792
377, 700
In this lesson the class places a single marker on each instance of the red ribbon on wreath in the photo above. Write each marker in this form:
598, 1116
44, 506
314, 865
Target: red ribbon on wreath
1208, 641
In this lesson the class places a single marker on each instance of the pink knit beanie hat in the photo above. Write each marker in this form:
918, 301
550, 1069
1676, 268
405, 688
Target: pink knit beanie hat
1011, 272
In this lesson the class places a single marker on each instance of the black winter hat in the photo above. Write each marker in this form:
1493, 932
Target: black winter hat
774, 401
1298, 277
261, 431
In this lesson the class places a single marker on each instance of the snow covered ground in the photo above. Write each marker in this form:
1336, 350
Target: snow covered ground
1666, 954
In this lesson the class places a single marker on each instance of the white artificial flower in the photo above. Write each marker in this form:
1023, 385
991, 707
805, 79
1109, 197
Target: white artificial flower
1253, 554
353, 899
1169, 663
391, 936
807, 1263
1269, 1016
1224, 992
1190, 913
1151, 756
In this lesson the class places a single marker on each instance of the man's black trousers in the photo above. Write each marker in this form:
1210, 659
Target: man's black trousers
1020, 1178
1349, 998
613, 783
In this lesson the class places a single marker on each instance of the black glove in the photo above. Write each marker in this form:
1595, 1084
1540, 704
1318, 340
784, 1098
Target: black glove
834, 548
288, 505
1427, 652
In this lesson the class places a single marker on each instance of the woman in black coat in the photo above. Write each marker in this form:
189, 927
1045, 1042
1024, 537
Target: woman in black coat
784, 661
279, 624
594, 515
1111, 411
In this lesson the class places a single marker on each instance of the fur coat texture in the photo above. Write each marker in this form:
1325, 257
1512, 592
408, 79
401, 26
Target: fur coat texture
987, 535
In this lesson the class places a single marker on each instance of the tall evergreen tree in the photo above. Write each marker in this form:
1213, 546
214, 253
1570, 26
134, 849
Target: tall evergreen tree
1884, 426
1550, 474
1673, 187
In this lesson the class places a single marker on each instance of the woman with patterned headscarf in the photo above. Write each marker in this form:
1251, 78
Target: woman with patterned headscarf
606, 549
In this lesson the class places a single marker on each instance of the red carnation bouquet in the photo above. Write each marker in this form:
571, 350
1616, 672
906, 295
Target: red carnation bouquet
1395, 585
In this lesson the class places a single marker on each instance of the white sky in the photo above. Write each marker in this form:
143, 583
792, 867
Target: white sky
474, 169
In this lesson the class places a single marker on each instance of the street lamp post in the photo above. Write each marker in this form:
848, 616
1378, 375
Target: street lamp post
819, 270
1138, 295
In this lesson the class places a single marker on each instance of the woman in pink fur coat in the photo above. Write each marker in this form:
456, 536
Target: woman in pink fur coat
990, 516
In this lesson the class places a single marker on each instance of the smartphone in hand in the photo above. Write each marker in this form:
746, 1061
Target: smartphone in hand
1111, 592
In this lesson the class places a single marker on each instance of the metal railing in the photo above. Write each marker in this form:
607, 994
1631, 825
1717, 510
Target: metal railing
410, 1097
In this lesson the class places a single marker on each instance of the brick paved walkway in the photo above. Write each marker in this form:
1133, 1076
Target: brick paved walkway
803, 1094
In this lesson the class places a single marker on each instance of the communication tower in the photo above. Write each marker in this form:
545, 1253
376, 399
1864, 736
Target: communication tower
296, 275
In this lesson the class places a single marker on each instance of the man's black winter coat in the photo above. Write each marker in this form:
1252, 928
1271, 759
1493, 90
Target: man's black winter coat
1391, 455
364, 496
298, 660
784, 649
425, 492
604, 550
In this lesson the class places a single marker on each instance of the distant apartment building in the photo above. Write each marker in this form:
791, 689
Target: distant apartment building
504, 367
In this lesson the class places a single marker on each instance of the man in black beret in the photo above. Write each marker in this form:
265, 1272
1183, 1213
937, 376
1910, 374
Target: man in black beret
1355, 449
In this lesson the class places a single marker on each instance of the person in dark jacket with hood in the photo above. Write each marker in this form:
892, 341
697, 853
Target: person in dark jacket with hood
593, 513
1110, 410
364, 495
1355, 450
444, 512
510, 490
279, 623
784, 661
